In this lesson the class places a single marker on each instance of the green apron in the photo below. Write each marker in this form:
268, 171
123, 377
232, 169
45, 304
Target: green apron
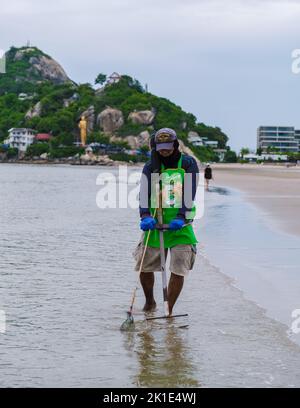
172, 187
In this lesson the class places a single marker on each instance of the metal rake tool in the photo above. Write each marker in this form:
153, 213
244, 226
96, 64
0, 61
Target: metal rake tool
128, 324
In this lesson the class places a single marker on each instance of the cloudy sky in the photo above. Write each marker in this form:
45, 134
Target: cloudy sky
227, 62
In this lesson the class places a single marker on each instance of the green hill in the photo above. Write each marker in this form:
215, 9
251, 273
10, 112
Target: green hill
61, 102
28, 66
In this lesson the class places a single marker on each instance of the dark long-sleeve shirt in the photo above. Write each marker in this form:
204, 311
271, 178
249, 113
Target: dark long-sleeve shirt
189, 164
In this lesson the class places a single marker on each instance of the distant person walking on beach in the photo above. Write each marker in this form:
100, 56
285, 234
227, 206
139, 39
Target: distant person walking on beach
208, 175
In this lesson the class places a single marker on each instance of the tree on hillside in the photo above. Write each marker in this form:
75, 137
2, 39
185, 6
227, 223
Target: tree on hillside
230, 157
101, 78
132, 83
211, 133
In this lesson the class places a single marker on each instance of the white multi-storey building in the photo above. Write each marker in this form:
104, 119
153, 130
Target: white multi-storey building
20, 138
281, 137
297, 136
211, 143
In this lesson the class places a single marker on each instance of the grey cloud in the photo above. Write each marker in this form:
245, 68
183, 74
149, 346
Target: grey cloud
210, 58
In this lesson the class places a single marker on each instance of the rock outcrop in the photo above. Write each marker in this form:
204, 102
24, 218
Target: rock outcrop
35, 111
110, 120
48, 69
134, 142
20, 53
40, 67
67, 102
144, 138
89, 158
142, 117
183, 125
193, 134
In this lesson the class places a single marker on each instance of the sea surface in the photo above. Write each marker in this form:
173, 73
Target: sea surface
67, 276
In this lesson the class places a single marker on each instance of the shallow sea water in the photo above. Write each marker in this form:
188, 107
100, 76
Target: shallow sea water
66, 282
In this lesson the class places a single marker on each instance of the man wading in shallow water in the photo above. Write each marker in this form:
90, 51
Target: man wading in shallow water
182, 172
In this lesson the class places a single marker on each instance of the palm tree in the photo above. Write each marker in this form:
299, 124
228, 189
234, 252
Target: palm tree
244, 151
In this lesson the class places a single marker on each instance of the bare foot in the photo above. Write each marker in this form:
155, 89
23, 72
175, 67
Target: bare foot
149, 307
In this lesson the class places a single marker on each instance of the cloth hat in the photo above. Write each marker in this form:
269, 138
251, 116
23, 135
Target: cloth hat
164, 139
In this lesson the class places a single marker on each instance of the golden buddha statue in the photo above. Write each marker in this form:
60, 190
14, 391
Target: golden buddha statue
83, 130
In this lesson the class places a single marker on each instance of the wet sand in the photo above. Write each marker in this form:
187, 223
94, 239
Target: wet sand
275, 189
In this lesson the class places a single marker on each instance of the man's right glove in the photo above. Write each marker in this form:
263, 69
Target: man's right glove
148, 223
176, 224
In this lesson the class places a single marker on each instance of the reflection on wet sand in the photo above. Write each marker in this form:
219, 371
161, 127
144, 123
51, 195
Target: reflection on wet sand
162, 351
219, 190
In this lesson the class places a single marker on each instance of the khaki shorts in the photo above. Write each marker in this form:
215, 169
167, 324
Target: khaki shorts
181, 262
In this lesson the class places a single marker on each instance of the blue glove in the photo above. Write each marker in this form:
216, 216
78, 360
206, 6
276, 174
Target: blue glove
176, 224
148, 223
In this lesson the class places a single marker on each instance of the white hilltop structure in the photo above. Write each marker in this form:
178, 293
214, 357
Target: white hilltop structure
113, 78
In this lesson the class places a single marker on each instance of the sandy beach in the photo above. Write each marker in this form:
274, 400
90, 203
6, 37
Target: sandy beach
275, 189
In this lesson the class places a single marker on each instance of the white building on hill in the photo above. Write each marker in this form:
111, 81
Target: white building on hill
20, 138
195, 139
211, 143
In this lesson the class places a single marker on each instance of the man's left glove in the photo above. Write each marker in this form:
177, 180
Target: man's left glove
176, 224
